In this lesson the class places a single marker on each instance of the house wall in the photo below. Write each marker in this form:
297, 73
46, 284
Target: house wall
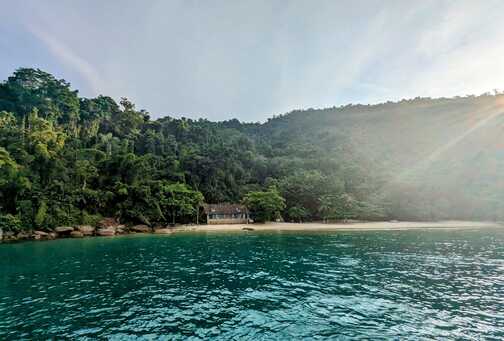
227, 221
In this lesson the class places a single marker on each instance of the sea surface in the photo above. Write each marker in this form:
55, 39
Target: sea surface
416, 284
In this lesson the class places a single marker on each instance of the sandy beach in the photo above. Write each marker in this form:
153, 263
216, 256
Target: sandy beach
362, 226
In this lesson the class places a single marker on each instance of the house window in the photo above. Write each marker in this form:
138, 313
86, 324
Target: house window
232, 215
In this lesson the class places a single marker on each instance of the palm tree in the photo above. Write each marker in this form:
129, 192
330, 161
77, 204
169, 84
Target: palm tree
326, 206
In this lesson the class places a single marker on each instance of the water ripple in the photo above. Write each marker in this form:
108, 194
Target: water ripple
375, 285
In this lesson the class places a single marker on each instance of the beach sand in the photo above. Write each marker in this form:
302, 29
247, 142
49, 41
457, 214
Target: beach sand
363, 226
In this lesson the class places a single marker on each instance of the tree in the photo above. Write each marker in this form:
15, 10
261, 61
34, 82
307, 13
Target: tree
297, 213
341, 206
346, 206
12, 182
66, 159
264, 205
9, 222
303, 188
179, 200
85, 171
28, 89
327, 205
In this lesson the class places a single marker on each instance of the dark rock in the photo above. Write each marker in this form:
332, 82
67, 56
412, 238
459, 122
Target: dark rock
9, 236
76, 234
105, 232
37, 235
120, 229
106, 223
64, 229
140, 228
23, 235
86, 230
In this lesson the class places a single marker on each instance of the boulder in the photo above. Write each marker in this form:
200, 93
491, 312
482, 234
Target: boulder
140, 228
63, 229
38, 235
106, 223
53, 235
76, 234
120, 229
105, 232
86, 230
106, 227
23, 235
9, 235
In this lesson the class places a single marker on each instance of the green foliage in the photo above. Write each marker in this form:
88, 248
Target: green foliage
9, 222
90, 219
8, 166
179, 200
26, 213
346, 206
13, 183
297, 213
85, 171
264, 205
41, 215
69, 160
157, 202
303, 188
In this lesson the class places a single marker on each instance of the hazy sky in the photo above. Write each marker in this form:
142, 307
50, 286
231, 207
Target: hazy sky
253, 59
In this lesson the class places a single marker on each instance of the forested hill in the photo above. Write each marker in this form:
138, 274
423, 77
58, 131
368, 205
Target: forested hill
70, 160
431, 158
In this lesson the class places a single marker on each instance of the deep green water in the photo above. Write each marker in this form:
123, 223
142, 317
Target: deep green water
391, 284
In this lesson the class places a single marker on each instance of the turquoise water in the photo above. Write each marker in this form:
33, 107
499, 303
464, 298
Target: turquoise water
419, 284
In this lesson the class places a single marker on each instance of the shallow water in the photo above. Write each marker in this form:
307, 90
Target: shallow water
421, 284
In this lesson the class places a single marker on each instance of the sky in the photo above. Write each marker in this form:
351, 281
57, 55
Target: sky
254, 59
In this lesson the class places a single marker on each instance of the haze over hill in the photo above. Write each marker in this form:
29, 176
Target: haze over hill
436, 154
68, 160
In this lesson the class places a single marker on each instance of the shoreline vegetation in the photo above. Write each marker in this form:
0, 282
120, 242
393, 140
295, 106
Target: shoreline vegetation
110, 228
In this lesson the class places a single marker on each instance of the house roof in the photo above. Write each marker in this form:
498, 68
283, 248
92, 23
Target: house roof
224, 208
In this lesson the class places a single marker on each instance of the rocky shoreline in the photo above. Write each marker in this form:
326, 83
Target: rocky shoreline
111, 227
104, 228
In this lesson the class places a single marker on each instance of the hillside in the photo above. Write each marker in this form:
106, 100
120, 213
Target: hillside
67, 160
444, 156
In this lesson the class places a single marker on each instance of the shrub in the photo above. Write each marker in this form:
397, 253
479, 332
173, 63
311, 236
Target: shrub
9, 222
265, 205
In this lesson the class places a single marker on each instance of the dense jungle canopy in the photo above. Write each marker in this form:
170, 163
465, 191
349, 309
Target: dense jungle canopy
68, 160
